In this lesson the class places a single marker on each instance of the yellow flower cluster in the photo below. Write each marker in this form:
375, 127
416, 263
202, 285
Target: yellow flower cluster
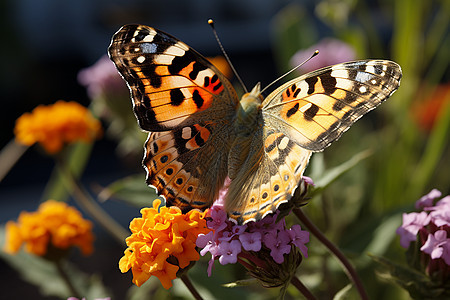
54, 224
54, 125
159, 236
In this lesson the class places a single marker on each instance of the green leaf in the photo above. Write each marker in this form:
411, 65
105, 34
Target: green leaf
44, 274
416, 283
132, 190
244, 282
343, 293
332, 174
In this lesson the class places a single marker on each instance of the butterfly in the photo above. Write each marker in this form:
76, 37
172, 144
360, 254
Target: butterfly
200, 133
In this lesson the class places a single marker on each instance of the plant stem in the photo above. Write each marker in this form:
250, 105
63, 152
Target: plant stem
302, 288
191, 287
348, 268
9, 155
66, 279
88, 204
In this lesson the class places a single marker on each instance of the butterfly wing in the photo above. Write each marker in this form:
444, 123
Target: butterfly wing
305, 114
187, 104
268, 178
171, 84
315, 109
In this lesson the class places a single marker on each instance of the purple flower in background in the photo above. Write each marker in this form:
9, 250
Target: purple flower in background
102, 77
331, 52
438, 245
428, 199
412, 223
431, 228
440, 213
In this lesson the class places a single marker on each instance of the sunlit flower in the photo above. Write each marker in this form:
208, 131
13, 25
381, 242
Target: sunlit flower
162, 243
256, 245
55, 125
331, 52
53, 225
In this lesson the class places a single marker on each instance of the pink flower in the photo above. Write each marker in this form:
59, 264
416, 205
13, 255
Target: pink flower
251, 241
440, 213
412, 223
299, 238
102, 77
427, 200
279, 244
438, 245
229, 251
331, 52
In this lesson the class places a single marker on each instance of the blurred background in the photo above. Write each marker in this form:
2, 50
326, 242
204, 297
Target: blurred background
45, 44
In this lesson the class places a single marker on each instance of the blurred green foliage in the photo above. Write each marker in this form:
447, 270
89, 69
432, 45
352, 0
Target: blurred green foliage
359, 197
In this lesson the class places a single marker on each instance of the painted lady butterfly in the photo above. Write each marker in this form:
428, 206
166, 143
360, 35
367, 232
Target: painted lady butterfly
200, 132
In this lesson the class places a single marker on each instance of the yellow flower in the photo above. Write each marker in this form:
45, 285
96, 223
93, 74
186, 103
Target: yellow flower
54, 125
55, 224
160, 237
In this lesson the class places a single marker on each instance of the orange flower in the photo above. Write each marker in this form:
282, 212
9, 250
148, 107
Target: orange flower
427, 111
54, 125
160, 237
55, 224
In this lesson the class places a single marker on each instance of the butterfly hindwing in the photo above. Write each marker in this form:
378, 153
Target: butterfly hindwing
268, 178
316, 108
172, 163
170, 82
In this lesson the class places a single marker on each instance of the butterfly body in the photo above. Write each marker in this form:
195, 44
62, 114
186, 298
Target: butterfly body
200, 133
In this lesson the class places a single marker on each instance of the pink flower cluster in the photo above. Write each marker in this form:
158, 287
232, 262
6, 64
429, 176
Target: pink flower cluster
228, 241
432, 225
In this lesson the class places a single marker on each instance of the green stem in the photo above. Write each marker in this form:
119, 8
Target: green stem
88, 204
191, 287
348, 268
66, 279
302, 288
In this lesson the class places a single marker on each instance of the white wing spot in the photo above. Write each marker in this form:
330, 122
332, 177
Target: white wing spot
141, 59
373, 81
305, 107
283, 143
137, 49
362, 76
186, 133
362, 89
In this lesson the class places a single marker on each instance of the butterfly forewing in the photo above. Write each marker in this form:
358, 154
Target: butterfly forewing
315, 109
170, 83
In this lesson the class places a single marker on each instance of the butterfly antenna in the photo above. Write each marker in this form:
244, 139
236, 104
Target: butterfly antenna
292, 70
211, 23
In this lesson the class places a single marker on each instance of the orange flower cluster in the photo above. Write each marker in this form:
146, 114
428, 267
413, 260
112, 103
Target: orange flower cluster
54, 224
54, 125
159, 236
